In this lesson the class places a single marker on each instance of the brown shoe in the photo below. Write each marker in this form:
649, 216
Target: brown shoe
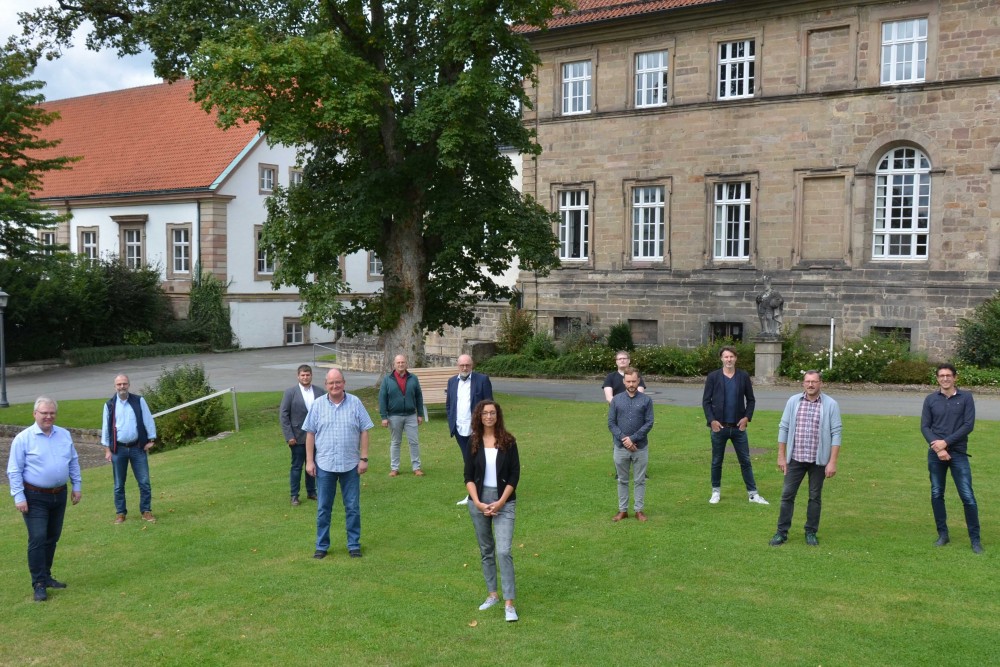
119, 518
393, 473
620, 516
148, 516
418, 472
641, 516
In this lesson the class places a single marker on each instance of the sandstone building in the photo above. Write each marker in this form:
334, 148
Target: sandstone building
848, 150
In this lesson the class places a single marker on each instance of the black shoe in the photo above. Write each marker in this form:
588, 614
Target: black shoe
311, 496
52, 583
942, 540
778, 540
811, 540
295, 501
977, 547
355, 553
319, 555
40, 594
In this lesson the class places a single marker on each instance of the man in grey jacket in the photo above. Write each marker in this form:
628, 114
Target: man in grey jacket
295, 406
808, 442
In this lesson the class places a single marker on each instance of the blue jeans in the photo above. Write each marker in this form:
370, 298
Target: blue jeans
794, 474
295, 474
350, 492
961, 474
742, 446
44, 520
495, 535
140, 468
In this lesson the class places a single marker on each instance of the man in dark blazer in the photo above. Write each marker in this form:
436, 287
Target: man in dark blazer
728, 401
464, 391
295, 406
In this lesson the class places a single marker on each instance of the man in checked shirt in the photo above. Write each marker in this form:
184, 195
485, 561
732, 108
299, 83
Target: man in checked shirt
808, 442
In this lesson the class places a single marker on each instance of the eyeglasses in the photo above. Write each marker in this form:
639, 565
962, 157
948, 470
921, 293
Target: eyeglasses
490, 413
942, 376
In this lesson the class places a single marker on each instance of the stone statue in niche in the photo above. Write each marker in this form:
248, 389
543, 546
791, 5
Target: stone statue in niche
770, 309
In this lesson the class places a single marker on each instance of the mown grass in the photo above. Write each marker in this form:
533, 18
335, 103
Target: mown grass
226, 576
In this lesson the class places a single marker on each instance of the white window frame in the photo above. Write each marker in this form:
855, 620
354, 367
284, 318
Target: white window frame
648, 222
904, 51
574, 225
732, 221
375, 267
180, 250
902, 205
577, 87
736, 74
132, 247
46, 241
89, 249
263, 265
294, 177
651, 69
267, 178
294, 332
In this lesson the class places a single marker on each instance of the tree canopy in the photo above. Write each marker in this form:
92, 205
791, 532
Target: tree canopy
399, 110
21, 170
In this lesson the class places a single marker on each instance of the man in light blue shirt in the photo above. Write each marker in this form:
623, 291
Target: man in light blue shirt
42, 459
129, 432
337, 450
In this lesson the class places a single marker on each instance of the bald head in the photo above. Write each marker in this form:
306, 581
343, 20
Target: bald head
121, 386
335, 385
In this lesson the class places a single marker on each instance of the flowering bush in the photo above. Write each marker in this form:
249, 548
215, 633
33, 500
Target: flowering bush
865, 360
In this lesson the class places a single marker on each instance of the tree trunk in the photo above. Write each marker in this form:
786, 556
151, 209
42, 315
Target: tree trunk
405, 280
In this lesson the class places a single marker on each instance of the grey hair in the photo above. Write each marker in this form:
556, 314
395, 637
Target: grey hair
45, 400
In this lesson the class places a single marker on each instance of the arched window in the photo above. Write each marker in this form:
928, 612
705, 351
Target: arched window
902, 205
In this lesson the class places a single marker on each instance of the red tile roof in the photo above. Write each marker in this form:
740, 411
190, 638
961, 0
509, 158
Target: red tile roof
592, 11
148, 139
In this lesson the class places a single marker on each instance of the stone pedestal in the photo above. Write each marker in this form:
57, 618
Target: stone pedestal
767, 359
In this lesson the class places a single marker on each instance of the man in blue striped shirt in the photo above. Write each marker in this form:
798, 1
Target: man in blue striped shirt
337, 451
42, 459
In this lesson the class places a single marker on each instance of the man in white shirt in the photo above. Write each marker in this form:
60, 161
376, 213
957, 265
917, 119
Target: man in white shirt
295, 406
464, 391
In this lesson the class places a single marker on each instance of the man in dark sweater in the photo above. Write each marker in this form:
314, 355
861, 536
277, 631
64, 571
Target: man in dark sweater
948, 417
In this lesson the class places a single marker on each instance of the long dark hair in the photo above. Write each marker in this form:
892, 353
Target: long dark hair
503, 438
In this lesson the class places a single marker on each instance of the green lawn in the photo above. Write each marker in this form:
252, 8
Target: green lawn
226, 576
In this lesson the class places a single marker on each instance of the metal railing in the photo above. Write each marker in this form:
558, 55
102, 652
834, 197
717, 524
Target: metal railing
230, 390
315, 345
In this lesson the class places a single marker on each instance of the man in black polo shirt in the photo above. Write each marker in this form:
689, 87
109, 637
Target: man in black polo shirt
948, 417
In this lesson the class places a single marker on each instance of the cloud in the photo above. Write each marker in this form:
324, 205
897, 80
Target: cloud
80, 71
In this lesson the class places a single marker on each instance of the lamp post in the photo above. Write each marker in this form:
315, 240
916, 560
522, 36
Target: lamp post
3, 354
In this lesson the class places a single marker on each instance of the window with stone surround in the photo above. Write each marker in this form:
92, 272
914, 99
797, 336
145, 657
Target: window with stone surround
263, 262
732, 205
267, 178
294, 176
902, 205
574, 225
295, 332
651, 79
564, 326
374, 267
179, 238
87, 243
133, 249
47, 241
903, 334
732, 330
904, 51
736, 67
644, 332
648, 222
576, 87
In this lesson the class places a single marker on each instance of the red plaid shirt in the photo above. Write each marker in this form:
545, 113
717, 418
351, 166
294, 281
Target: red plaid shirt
807, 430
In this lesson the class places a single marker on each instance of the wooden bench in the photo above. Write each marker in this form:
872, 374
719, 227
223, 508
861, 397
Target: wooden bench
433, 384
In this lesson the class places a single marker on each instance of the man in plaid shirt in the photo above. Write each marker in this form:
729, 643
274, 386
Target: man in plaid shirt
808, 442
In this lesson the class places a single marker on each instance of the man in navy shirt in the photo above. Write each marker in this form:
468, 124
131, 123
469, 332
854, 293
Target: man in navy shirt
948, 417
42, 459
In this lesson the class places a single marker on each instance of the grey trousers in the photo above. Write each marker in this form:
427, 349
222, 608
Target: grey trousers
637, 461
397, 423
495, 535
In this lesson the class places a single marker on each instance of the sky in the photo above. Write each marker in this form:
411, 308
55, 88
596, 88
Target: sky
79, 71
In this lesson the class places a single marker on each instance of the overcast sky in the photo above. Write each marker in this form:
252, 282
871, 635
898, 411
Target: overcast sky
79, 71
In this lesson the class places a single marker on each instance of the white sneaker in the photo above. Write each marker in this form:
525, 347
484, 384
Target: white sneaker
463, 501
716, 496
489, 602
510, 613
759, 499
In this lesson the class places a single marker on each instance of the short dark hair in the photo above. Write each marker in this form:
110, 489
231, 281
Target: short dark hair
303, 367
946, 366
728, 349
631, 370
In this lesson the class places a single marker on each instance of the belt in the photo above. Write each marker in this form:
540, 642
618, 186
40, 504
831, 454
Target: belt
128, 444
38, 489
730, 424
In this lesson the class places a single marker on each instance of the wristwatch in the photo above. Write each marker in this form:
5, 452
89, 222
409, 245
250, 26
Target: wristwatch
364, 459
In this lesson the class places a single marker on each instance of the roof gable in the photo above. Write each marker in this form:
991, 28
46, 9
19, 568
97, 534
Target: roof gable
594, 11
139, 140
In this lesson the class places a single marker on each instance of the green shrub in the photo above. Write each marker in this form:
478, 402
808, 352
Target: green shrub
540, 346
971, 376
209, 315
514, 330
864, 360
137, 337
795, 356
909, 371
708, 355
979, 335
665, 361
183, 383
579, 339
593, 359
88, 356
620, 337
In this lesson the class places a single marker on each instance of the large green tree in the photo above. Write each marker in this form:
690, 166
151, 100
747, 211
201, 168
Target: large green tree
21, 170
398, 108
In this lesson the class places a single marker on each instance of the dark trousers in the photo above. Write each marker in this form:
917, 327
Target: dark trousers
741, 443
463, 444
44, 520
295, 474
961, 474
794, 473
